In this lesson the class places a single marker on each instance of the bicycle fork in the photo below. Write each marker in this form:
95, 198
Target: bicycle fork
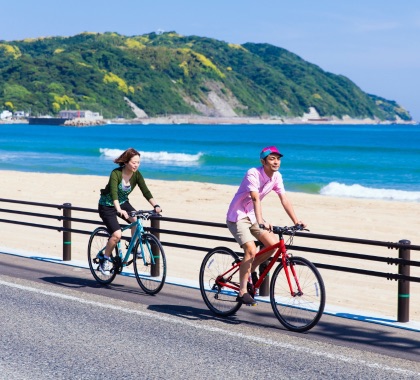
286, 265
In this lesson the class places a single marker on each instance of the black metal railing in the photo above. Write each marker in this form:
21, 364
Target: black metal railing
65, 225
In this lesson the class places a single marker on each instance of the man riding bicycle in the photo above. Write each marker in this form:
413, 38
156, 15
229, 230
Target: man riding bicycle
245, 220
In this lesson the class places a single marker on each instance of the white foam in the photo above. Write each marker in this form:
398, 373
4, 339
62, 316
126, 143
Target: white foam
357, 191
176, 158
8, 157
33, 156
111, 154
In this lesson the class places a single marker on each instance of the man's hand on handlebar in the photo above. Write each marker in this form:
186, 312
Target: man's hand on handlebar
265, 226
301, 224
301, 227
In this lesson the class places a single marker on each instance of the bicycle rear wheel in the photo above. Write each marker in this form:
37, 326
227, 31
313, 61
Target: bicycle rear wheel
299, 311
220, 300
149, 264
96, 247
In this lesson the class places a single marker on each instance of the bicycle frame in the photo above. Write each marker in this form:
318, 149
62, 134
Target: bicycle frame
223, 279
296, 289
136, 237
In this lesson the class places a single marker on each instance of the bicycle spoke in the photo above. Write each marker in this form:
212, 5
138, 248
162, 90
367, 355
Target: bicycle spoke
150, 264
96, 247
221, 300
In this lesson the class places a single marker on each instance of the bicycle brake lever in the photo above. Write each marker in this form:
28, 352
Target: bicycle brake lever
300, 227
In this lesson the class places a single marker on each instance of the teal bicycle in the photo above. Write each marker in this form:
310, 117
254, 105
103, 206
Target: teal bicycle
143, 250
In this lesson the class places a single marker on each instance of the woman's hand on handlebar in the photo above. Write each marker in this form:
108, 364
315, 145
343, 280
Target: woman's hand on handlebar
123, 214
157, 209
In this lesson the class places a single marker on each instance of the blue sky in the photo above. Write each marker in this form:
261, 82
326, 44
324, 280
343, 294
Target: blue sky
374, 43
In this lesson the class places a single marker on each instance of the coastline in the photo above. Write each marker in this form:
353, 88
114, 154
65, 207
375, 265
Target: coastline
214, 120
346, 217
196, 119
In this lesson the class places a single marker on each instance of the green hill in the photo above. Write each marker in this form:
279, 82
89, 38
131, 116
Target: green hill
173, 74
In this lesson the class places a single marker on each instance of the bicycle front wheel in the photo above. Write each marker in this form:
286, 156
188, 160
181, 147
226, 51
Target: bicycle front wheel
221, 300
300, 308
96, 248
150, 264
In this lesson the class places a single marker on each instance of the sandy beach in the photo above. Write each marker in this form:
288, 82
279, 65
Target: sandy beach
355, 218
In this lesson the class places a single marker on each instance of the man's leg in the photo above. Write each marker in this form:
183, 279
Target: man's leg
245, 269
242, 234
267, 238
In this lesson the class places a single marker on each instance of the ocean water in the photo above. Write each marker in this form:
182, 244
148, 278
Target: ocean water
370, 161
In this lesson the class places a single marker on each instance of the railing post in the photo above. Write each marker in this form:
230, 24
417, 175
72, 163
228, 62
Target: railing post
66, 234
155, 224
404, 286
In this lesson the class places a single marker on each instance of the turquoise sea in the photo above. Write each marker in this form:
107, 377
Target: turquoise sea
369, 161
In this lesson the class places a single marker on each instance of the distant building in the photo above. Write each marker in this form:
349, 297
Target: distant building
19, 114
6, 115
73, 114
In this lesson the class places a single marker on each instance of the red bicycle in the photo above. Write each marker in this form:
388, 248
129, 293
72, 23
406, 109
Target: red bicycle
297, 291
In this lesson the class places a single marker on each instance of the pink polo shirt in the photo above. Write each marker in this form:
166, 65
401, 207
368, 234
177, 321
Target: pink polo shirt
254, 180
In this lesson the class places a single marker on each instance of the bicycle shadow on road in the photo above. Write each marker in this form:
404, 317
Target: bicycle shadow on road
361, 335
80, 283
186, 312
71, 282
194, 314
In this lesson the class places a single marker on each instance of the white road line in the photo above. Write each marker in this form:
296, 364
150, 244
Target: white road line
214, 329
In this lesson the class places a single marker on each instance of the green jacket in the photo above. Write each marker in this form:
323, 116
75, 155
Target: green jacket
114, 189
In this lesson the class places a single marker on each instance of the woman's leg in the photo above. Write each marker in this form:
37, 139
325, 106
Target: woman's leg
112, 242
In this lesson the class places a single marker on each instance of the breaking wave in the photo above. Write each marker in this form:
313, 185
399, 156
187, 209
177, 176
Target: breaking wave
357, 191
177, 159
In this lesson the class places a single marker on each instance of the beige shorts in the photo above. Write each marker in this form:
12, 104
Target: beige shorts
244, 231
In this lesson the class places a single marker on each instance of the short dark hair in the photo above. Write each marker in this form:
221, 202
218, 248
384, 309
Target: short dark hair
126, 156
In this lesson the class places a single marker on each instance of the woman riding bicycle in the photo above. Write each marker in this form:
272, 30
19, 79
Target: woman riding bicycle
244, 217
114, 199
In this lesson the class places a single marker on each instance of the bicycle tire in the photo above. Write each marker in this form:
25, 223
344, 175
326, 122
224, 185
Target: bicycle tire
221, 301
298, 313
151, 277
97, 243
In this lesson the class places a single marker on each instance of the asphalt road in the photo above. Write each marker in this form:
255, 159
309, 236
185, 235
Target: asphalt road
58, 323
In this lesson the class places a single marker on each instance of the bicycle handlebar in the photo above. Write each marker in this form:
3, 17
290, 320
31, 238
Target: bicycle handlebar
292, 229
143, 214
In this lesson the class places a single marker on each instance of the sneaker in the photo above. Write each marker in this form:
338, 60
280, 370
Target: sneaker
105, 267
247, 300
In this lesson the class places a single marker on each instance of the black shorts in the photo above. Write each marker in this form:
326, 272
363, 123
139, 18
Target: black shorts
109, 215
